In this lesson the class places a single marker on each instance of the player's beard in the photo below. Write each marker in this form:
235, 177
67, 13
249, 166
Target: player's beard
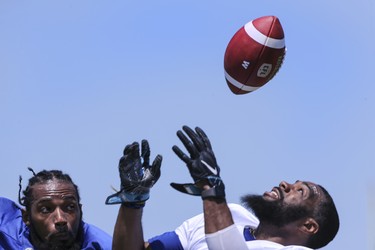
74, 244
274, 212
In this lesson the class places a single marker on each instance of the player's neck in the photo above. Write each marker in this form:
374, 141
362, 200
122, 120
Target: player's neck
285, 235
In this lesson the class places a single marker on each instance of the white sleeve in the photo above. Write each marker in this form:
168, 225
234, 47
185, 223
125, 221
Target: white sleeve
191, 233
226, 239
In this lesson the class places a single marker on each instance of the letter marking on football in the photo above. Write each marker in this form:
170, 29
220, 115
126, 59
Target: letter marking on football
245, 64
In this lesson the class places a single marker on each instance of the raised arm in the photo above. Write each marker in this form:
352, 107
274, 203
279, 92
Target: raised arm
137, 178
128, 232
221, 233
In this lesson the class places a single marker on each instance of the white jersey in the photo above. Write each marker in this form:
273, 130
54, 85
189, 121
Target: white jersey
192, 237
230, 238
191, 232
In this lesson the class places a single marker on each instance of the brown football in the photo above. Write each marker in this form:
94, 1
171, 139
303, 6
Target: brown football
254, 54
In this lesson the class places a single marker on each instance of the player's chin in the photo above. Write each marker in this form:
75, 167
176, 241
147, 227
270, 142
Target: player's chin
64, 240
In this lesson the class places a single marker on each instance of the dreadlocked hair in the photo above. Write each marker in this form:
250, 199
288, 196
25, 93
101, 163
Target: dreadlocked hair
38, 178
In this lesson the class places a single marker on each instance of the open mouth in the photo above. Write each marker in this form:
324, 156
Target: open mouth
274, 194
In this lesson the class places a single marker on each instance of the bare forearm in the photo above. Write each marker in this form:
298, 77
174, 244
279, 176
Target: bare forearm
217, 215
221, 233
128, 232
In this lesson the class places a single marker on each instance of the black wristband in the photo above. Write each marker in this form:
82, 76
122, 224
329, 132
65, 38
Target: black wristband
217, 191
135, 205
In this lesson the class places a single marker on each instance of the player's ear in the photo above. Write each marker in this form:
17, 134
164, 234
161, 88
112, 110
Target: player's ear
25, 217
310, 226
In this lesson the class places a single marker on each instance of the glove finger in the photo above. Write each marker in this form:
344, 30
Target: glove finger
199, 145
121, 162
188, 144
126, 153
187, 188
134, 150
126, 149
204, 137
181, 155
132, 161
129, 154
152, 173
156, 165
145, 149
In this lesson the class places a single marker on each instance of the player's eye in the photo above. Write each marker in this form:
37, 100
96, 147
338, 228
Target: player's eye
45, 210
71, 207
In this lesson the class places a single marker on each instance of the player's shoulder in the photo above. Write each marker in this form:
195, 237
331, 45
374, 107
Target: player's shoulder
94, 230
242, 216
94, 236
237, 207
13, 230
9, 211
9, 204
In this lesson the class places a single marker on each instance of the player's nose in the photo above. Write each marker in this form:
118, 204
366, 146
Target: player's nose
60, 219
285, 186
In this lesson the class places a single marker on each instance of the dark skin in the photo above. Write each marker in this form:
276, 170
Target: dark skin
129, 234
55, 212
218, 216
294, 202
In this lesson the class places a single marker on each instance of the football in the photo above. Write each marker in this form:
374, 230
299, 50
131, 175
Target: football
254, 54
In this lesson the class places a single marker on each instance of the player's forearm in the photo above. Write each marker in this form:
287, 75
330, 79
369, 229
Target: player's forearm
128, 233
217, 215
221, 232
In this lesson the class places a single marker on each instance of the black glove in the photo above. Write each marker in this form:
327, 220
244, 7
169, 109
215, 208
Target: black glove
137, 178
202, 164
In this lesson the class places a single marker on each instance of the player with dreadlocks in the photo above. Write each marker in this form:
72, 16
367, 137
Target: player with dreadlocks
51, 219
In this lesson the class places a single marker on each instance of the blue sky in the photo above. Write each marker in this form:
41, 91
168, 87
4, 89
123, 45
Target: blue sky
81, 79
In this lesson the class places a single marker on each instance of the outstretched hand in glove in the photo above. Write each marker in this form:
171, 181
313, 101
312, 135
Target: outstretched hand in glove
137, 178
201, 163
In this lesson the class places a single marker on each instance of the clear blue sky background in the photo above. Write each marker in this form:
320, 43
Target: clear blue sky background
81, 79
